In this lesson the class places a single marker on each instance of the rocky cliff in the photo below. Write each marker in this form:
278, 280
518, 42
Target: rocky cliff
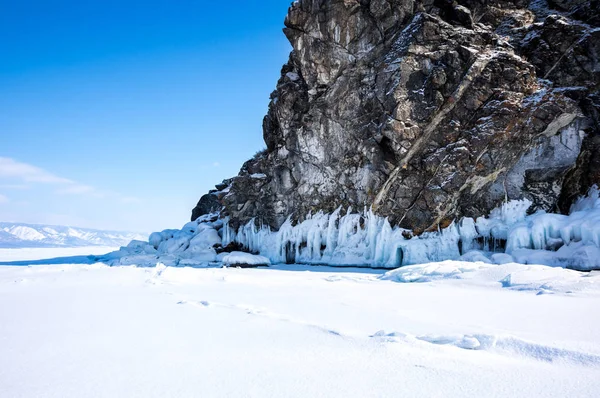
426, 110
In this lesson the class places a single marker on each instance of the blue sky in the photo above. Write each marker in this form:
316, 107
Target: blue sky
121, 114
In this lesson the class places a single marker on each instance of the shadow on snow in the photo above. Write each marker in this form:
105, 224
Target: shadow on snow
92, 259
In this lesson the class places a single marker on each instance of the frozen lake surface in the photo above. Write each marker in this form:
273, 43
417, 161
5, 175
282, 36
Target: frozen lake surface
449, 329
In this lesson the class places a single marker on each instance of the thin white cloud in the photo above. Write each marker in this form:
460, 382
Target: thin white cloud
15, 186
3, 199
216, 164
76, 189
10, 168
29, 174
130, 200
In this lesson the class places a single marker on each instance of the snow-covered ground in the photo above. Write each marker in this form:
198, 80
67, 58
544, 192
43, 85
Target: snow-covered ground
451, 329
40, 253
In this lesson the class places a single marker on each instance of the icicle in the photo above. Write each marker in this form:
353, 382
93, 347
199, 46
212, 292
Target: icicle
373, 230
468, 233
367, 239
588, 202
332, 232
228, 234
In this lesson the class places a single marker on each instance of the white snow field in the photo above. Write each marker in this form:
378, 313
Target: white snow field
451, 329
39, 253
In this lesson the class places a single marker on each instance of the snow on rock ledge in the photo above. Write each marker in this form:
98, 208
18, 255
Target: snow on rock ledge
508, 235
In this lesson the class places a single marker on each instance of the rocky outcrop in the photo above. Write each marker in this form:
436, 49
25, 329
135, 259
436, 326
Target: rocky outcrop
211, 202
426, 111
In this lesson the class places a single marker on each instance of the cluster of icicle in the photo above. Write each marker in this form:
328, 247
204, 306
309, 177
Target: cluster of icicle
366, 239
508, 234
350, 239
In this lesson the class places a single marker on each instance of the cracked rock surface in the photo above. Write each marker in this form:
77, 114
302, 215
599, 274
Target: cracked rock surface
426, 110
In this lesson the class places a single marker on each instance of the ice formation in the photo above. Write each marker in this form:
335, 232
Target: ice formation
347, 238
363, 239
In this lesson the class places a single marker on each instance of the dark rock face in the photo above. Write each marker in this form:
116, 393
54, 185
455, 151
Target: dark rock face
427, 110
208, 203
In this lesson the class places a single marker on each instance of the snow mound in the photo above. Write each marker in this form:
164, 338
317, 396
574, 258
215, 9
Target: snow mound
539, 279
244, 259
502, 258
475, 256
502, 345
194, 244
434, 271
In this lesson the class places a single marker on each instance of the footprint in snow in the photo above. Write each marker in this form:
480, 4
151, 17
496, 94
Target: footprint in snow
263, 313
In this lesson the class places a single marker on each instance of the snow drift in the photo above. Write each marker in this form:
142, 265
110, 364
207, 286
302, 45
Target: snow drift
347, 238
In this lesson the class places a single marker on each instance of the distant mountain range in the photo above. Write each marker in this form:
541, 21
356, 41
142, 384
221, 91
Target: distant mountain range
13, 235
